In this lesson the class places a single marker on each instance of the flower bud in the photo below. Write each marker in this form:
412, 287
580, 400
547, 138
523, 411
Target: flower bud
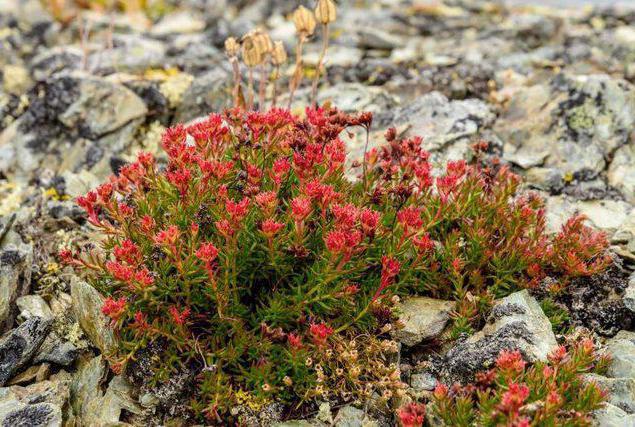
231, 47
325, 11
304, 21
279, 54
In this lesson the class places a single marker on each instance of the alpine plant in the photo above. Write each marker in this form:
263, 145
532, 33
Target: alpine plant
250, 259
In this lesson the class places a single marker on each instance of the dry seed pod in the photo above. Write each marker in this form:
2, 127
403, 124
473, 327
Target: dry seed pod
262, 41
279, 54
231, 47
251, 55
304, 21
325, 11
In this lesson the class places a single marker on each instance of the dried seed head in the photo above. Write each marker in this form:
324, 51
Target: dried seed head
251, 54
262, 41
231, 47
279, 54
304, 21
325, 11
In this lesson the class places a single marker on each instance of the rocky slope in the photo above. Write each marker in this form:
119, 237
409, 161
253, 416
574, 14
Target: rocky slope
552, 90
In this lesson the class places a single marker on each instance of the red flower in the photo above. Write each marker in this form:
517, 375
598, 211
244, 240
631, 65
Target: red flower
207, 252
300, 208
114, 308
412, 415
179, 317
369, 219
180, 179
280, 168
319, 333
389, 270
237, 210
269, 227
140, 321
295, 341
335, 241
267, 201
514, 398
410, 219
423, 244
224, 228
167, 237
120, 272
147, 224
440, 391
128, 252
144, 277
557, 355
66, 256
345, 215
510, 361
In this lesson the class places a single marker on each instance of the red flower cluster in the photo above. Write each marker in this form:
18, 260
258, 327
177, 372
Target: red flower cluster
412, 415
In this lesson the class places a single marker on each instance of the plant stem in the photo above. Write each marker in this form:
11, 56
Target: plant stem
263, 85
236, 89
250, 101
297, 72
275, 86
316, 79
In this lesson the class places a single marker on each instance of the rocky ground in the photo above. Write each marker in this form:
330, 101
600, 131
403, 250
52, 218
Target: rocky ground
552, 90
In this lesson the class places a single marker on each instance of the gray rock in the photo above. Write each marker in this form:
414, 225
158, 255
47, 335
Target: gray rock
621, 172
423, 318
423, 381
56, 60
15, 278
515, 323
621, 391
209, 92
101, 107
91, 404
622, 350
87, 119
612, 416
572, 124
629, 294
131, 53
33, 306
56, 350
87, 303
19, 346
178, 23
440, 121
350, 416
13, 413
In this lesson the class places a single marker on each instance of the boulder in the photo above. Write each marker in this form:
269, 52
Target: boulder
423, 319
20, 345
622, 350
87, 303
516, 322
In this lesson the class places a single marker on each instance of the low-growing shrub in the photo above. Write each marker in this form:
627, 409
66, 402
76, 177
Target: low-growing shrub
252, 259
512, 394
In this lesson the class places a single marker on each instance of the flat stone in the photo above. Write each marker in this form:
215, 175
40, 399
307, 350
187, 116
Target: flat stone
350, 416
15, 278
18, 346
622, 350
87, 303
13, 413
612, 416
33, 306
91, 404
629, 294
423, 318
